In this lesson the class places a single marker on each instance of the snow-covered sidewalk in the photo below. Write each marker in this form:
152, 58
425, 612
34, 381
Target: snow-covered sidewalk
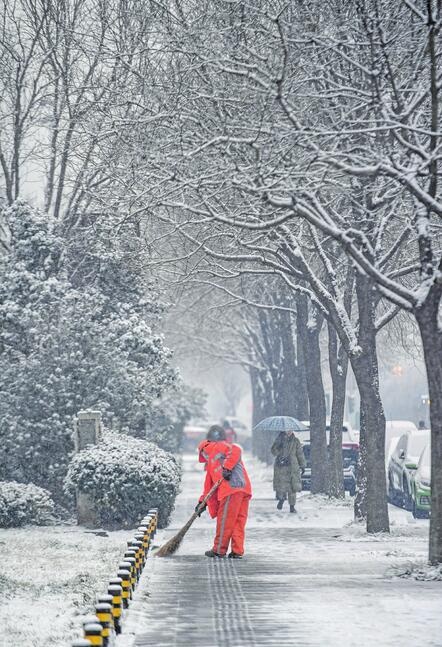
308, 579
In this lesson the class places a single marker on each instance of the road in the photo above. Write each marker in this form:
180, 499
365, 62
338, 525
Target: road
311, 579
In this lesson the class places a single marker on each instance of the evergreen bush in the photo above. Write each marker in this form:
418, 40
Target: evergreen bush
22, 504
125, 476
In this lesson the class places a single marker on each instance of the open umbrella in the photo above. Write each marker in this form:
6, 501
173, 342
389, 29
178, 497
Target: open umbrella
280, 423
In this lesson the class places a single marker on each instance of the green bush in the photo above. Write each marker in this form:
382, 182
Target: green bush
125, 477
22, 504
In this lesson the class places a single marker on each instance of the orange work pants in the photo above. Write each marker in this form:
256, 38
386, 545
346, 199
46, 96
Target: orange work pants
231, 522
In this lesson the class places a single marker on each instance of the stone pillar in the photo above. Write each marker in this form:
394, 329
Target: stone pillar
87, 431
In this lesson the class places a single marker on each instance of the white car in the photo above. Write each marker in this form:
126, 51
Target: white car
349, 435
390, 449
395, 429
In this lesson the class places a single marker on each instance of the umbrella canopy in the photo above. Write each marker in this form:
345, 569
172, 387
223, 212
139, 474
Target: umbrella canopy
280, 423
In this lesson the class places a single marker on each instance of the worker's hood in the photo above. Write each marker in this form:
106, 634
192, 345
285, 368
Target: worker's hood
203, 456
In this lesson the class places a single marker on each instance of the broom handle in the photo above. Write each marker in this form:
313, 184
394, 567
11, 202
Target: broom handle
207, 497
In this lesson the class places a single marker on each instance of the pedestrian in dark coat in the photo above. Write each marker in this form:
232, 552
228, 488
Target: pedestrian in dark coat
288, 467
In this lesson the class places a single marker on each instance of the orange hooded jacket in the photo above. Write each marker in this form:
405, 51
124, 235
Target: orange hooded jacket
216, 455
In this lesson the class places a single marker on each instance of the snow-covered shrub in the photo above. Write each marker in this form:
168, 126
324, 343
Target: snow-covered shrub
22, 504
125, 477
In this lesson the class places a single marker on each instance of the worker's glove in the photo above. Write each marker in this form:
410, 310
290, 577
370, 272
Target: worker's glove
200, 508
227, 474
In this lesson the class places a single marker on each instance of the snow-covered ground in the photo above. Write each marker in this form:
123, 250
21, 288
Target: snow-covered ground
314, 578
49, 578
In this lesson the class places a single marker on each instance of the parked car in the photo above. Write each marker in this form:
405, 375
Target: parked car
402, 465
350, 453
195, 432
421, 486
394, 430
388, 452
349, 435
242, 433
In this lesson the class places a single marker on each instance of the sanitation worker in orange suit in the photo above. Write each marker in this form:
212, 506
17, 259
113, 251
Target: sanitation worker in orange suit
230, 503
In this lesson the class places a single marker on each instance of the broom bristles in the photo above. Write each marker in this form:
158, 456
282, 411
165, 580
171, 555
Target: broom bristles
171, 546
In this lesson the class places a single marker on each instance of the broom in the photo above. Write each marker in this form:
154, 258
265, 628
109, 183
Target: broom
171, 546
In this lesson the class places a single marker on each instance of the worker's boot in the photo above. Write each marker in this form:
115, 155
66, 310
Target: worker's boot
233, 555
292, 508
211, 553
280, 504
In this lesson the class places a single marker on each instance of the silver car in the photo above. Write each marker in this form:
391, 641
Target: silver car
402, 465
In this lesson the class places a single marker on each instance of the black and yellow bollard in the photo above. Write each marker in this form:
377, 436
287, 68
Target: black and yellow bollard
89, 620
144, 532
154, 512
147, 522
103, 611
81, 642
139, 536
126, 565
116, 592
132, 554
93, 633
129, 557
105, 598
137, 546
153, 526
142, 528
117, 581
126, 585
150, 524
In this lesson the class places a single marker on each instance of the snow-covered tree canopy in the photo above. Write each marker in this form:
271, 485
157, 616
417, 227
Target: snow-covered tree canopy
65, 348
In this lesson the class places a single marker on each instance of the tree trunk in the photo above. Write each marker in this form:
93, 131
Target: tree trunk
360, 503
431, 334
263, 407
256, 409
301, 379
316, 395
338, 361
366, 371
285, 387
